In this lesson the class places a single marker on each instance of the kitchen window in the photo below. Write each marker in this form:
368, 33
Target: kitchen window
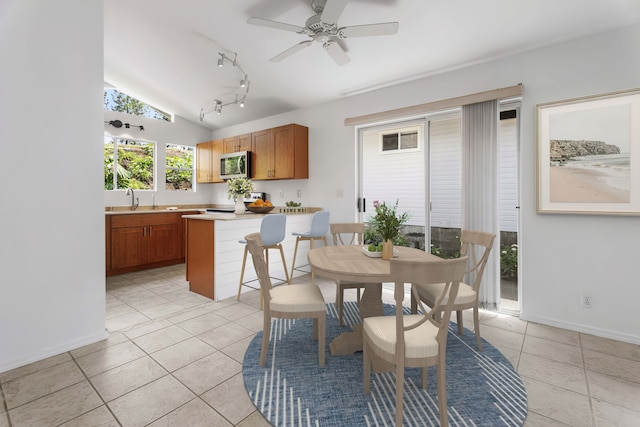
128, 163
179, 167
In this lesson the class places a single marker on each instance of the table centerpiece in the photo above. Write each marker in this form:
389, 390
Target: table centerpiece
388, 224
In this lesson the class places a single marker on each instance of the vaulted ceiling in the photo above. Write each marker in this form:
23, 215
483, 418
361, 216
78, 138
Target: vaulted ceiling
166, 52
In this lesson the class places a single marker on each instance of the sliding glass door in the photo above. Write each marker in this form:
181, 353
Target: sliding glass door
419, 163
392, 159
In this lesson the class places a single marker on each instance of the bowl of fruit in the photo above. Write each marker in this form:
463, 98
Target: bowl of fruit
260, 206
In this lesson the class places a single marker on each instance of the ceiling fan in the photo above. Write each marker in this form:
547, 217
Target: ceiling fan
323, 28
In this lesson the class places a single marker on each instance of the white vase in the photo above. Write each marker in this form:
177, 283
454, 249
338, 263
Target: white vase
240, 208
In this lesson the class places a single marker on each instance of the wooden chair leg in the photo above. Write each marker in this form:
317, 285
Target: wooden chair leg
266, 331
424, 377
476, 328
414, 304
441, 371
244, 263
311, 247
322, 337
366, 365
293, 262
284, 264
340, 302
399, 391
315, 329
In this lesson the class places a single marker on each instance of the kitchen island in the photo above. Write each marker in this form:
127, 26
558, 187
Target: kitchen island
214, 254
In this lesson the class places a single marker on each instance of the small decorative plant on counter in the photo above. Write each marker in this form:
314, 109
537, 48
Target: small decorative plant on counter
238, 189
387, 224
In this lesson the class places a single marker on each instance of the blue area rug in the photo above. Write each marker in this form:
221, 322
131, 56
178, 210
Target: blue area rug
291, 389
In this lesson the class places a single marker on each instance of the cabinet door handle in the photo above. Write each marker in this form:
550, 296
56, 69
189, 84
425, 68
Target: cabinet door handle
144, 231
150, 230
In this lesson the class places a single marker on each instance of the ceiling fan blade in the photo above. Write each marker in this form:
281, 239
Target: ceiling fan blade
336, 53
332, 11
274, 24
279, 57
383, 29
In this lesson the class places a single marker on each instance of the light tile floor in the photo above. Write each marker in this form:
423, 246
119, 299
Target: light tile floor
174, 358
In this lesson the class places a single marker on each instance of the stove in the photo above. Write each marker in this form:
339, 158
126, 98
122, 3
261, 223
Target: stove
253, 196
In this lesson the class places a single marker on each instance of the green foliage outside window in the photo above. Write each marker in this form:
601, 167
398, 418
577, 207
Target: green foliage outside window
509, 262
134, 167
179, 162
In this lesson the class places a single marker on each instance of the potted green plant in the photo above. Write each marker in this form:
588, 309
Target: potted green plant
238, 189
387, 224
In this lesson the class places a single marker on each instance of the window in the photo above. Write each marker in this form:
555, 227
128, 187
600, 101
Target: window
179, 167
400, 140
115, 100
128, 163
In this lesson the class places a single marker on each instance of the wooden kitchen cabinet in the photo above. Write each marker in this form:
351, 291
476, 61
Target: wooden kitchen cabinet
237, 143
281, 153
141, 241
208, 161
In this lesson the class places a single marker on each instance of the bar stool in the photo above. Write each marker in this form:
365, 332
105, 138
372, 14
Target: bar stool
319, 230
272, 232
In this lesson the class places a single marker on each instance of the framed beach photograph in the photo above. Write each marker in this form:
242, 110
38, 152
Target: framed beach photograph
588, 155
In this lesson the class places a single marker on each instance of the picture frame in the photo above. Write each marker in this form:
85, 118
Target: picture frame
588, 155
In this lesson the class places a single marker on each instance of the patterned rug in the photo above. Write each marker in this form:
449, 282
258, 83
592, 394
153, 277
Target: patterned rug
291, 389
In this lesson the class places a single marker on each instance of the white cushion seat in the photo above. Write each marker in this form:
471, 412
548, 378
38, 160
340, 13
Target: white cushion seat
466, 294
297, 299
419, 342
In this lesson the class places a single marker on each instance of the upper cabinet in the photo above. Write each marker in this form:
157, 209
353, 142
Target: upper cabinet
208, 161
237, 143
281, 153
276, 153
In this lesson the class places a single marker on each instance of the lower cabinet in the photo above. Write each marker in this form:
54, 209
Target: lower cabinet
141, 241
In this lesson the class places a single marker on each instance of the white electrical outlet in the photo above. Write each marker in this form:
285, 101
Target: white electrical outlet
299, 194
281, 192
587, 301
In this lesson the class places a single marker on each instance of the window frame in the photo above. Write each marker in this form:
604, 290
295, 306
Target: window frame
399, 132
154, 169
167, 168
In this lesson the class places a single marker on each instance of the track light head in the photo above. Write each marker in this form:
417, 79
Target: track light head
221, 60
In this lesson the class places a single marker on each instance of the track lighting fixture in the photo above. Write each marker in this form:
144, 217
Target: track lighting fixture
119, 124
239, 98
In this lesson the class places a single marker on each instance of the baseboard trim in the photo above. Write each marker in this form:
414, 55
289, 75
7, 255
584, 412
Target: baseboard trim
52, 351
576, 327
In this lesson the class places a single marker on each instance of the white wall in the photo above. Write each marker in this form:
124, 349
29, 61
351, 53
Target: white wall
181, 132
562, 255
52, 285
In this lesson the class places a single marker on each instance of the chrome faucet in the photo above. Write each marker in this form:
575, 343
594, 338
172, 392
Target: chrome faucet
134, 201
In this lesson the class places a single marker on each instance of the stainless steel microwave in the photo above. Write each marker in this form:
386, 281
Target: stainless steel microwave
234, 165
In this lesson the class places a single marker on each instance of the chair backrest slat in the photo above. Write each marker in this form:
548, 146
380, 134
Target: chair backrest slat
256, 249
448, 271
347, 233
477, 246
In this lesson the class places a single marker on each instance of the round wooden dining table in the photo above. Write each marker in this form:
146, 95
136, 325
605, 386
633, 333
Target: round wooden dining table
350, 263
